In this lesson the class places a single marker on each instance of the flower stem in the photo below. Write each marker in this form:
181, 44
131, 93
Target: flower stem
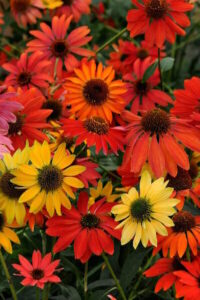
159, 67
110, 41
12, 288
37, 294
86, 280
45, 294
119, 287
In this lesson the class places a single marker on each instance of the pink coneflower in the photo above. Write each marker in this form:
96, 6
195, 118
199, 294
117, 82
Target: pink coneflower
29, 71
40, 272
26, 11
7, 109
56, 46
5, 144
142, 93
77, 8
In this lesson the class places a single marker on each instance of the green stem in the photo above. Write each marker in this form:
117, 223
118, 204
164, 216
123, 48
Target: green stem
86, 280
37, 294
159, 67
188, 254
119, 287
43, 241
110, 41
45, 294
12, 288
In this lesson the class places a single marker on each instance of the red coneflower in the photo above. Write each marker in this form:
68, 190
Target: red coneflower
166, 268
189, 280
185, 234
26, 11
158, 132
126, 53
143, 92
56, 46
187, 104
159, 20
30, 121
28, 71
40, 272
95, 131
77, 8
89, 227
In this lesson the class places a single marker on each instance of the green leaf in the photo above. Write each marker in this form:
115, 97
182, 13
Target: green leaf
131, 266
70, 292
167, 64
149, 72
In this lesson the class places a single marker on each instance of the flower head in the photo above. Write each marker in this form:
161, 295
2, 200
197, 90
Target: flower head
30, 120
48, 181
166, 268
89, 227
7, 235
189, 280
187, 104
28, 72
76, 8
56, 46
52, 4
26, 11
103, 191
40, 272
142, 93
185, 233
159, 20
93, 92
95, 131
9, 192
146, 213
158, 132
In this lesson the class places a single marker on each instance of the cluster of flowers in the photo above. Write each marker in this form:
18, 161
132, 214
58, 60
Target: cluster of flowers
59, 112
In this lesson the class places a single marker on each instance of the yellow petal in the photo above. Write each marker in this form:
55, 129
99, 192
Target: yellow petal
38, 202
20, 213
138, 235
64, 201
11, 235
163, 219
10, 211
133, 194
151, 233
35, 156
122, 216
159, 228
74, 170
45, 153
25, 181
74, 182
50, 204
5, 242
144, 237
68, 190
29, 170
128, 232
120, 209
126, 199
29, 194
145, 183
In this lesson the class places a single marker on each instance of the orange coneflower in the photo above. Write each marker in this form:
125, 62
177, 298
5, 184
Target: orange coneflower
159, 20
26, 11
94, 92
158, 132
185, 233
56, 46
